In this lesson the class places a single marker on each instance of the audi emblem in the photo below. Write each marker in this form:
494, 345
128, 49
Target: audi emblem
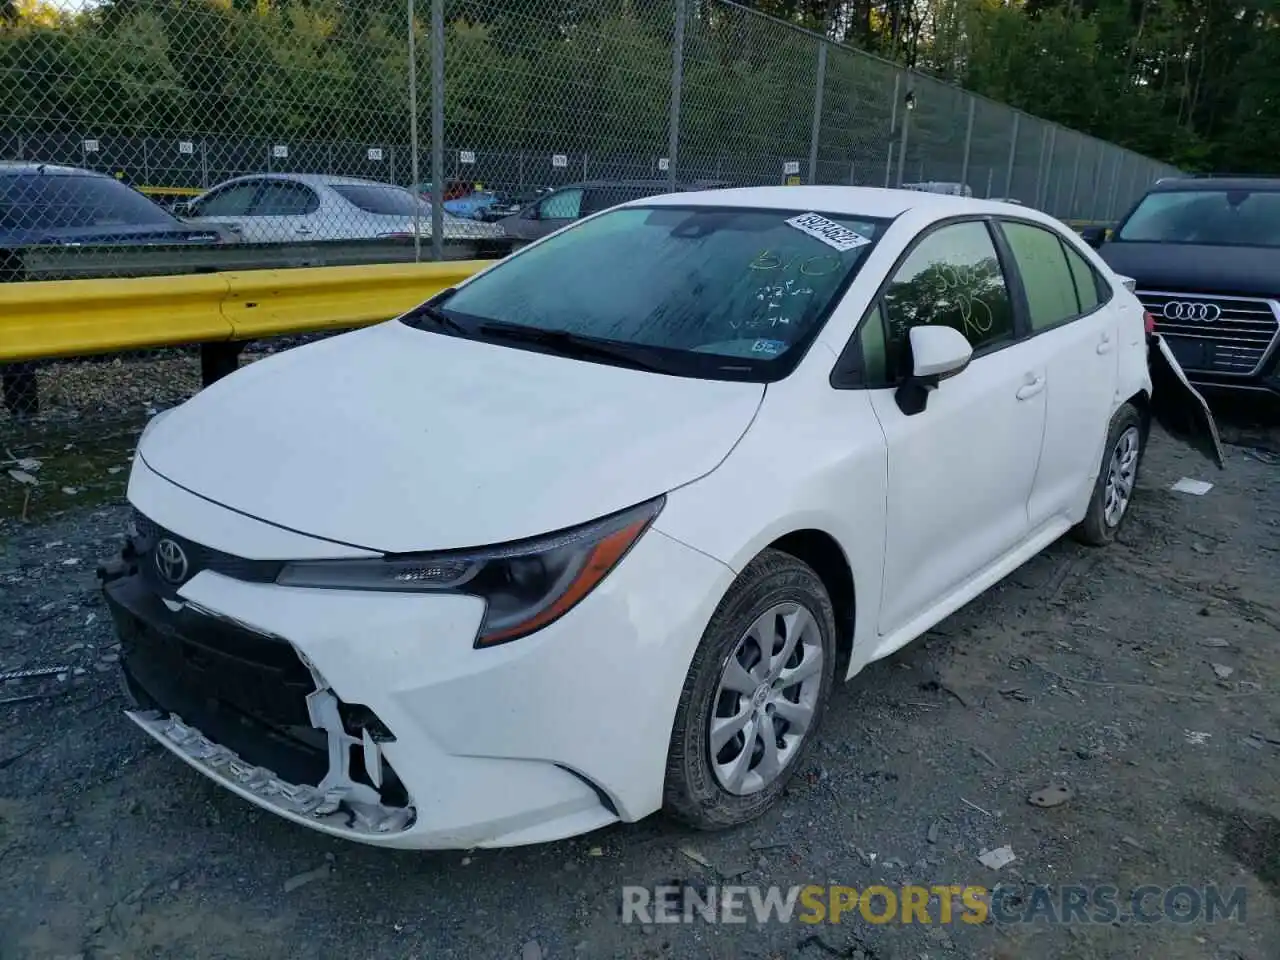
171, 562
1191, 310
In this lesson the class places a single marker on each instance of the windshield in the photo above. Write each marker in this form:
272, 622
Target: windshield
1229, 218
713, 291
382, 200
44, 201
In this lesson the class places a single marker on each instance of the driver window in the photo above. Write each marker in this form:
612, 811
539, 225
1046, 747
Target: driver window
562, 205
952, 277
232, 201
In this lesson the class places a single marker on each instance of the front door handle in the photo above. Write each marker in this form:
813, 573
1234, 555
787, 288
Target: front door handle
1104, 345
302, 230
1030, 388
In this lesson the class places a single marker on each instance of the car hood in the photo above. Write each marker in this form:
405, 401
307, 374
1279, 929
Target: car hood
1178, 267
399, 440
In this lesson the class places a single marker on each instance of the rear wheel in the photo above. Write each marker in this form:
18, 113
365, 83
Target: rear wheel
754, 695
1117, 479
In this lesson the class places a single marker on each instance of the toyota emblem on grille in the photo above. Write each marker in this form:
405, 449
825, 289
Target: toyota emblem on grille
171, 562
1190, 310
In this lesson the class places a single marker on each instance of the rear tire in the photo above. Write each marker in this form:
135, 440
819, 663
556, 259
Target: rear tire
1117, 479
762, 706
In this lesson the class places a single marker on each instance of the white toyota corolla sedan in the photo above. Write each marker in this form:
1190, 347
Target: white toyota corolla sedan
595, 533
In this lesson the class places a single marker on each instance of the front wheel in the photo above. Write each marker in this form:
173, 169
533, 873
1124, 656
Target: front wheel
1117, 480
754, 695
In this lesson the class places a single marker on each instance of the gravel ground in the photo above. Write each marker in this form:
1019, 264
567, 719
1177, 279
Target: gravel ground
1089, 668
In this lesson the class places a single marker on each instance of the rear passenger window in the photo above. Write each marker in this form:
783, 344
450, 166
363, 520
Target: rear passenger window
1086, 280
1048, 280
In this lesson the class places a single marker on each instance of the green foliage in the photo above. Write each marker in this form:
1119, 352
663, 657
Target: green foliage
1192, 82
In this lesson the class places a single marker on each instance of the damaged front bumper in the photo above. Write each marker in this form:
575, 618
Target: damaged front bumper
247, 710
368, 716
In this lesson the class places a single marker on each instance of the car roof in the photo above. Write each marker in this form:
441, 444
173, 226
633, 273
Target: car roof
16, 167
313, 180
1214, 184
873, 202
642, 184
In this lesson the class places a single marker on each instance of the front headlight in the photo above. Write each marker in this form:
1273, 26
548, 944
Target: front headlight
525, 585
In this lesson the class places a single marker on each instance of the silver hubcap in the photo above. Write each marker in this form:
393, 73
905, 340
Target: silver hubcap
1121, 472
765, 702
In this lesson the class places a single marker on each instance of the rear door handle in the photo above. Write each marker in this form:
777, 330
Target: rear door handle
302, 230
1030, 388
1104, 345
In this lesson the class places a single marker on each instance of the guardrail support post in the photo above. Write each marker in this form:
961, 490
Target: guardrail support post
21, 389
677, 88
219, 359
816, 130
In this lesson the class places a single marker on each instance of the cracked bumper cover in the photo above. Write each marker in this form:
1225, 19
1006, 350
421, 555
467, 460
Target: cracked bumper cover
541, 739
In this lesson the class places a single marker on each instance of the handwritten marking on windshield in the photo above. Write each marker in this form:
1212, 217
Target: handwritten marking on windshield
814, 266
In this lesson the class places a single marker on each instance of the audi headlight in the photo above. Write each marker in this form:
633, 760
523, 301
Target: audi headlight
525, 585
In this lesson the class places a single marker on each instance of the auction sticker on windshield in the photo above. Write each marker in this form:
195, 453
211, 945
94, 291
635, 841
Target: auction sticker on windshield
828, 231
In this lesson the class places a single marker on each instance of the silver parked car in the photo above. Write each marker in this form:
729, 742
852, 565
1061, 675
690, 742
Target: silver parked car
299, 207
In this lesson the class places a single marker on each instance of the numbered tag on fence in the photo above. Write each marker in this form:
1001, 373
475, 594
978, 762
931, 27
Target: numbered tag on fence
280, 151
664, 163
375, 154
467, 156
91, 146
791, 167
559, 160
186, 147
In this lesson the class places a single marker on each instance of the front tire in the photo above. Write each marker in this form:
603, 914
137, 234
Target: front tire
754, 695
1117, 480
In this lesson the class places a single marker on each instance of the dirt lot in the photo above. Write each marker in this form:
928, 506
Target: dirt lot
1094, 669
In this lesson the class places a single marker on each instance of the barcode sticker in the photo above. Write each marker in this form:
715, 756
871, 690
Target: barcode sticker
828, 231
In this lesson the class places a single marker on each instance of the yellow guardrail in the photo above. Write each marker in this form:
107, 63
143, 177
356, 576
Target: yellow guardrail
63, 318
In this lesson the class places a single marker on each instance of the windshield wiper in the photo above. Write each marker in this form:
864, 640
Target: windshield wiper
574, 345
431, 311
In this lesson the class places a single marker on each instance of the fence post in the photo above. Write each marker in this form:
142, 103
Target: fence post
968, 143
906, 131
1075, 177
816, 129
1115, 185
437, 129
413, 134
1050, 201
677, 84
1044, 137
1013, 152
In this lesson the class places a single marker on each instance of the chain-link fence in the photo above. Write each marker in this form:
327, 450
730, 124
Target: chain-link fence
161, 136
260, 125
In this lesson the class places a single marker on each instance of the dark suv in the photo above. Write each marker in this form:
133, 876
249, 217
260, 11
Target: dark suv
1205, 255
564, 205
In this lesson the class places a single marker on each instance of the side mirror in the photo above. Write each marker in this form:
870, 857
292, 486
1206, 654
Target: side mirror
937, 353
1094, 236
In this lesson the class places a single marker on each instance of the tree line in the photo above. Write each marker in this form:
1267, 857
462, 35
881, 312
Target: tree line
1189, 82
